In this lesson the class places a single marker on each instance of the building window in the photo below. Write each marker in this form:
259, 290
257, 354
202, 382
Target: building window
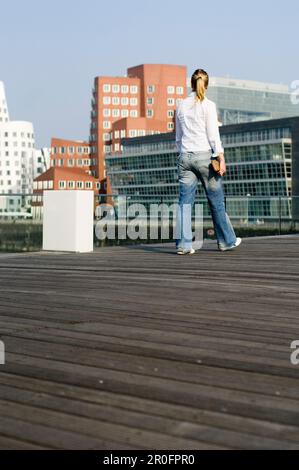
125, 101
170, 113
133, 89
149, 113
124, 113
80, 185
124, 89
107, 148
132, 133
71, 184
133, 101
115, 88
116, 134
70, 162
170, 126
106, 100
98, 185
115, 112
106, 136
115, 101
170, 102
150, 100
88, 185
133, 113
79, 150
106, 124
106, 112
106, 88
122, 134
151, 88
116, 147
179, 90
170, 90
62, 184
71, 150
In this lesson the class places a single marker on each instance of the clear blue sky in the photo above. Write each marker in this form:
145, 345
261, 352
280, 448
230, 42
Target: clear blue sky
50, 51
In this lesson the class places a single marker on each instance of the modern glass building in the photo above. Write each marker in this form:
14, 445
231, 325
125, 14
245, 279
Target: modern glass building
261, 172
247, 100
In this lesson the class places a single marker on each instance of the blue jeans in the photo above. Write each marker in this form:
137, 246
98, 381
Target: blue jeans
192, 168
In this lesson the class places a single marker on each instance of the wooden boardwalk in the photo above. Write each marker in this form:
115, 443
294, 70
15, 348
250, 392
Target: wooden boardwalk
136, 348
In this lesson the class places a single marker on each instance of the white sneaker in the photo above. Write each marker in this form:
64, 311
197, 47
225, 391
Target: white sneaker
181, 251
231, 247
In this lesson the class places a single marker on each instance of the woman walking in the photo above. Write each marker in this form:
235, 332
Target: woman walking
198, 141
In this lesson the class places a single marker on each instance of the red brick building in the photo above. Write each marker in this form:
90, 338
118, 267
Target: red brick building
141, 103
59, 178
69, 169
70, 154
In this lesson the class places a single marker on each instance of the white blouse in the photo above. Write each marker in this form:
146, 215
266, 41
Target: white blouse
197, 127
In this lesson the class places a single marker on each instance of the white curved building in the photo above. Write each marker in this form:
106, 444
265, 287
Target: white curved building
17, 153
4, 116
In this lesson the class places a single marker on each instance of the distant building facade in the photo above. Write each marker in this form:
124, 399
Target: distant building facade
141, 103
63, 179
259, 158
70, 154
247, 100
41, 161
69, 170
17, 154
4, 115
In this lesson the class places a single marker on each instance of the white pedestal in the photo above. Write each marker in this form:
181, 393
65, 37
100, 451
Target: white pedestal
68, 221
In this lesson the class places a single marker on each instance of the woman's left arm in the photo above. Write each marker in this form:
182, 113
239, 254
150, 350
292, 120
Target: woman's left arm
214, 136
178, 132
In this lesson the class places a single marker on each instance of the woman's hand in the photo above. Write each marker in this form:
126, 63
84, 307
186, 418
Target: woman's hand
221, 159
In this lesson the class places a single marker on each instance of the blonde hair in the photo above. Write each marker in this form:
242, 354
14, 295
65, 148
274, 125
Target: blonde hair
200, 83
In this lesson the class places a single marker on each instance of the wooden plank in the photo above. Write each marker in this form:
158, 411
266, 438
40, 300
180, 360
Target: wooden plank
123, 361
77, 431
7, 443
100, 416
276, 409
15, 427
133, 338
259, 329
182, 362
119, 402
